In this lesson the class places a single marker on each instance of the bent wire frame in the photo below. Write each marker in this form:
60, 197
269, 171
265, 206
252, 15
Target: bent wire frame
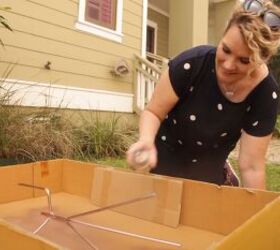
71, 219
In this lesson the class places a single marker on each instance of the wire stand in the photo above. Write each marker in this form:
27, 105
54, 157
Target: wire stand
71, 219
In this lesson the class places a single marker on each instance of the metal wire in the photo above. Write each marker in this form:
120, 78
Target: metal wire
51, 215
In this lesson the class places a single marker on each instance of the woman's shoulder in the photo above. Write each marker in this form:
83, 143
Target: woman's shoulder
196, 56
187, 66
269, 83
268, 89
195, 52
272, 82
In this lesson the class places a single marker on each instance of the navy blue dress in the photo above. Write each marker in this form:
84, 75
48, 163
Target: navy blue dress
198, 134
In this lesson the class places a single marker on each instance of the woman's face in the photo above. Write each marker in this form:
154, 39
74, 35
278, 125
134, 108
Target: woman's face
232, 58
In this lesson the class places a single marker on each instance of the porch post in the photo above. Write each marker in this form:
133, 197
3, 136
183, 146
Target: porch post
188, 24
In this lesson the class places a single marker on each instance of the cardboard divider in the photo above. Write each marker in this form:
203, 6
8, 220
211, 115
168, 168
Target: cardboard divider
10, 177
112, 186
220, 209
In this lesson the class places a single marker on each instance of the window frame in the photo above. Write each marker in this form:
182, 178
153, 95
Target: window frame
154, 26
114, 35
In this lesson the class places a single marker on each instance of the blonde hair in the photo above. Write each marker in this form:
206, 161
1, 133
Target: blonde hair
262, 40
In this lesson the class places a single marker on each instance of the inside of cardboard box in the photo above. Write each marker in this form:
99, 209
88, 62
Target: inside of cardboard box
196, 215
29, 217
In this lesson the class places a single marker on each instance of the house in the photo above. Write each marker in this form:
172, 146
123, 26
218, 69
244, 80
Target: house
92, 54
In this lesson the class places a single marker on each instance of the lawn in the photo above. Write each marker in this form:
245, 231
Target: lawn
272, 171
273, 177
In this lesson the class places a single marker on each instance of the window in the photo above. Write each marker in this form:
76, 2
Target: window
101, 17
150, 46
102, 13
151, 42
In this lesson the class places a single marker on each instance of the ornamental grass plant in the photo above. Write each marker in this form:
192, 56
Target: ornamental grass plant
104, 137
50, 134
46, 133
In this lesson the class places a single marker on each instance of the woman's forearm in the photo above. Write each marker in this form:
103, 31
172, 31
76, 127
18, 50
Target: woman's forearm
253, 178
148, 126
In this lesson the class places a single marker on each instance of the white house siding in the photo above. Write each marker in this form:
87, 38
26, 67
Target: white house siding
45, 31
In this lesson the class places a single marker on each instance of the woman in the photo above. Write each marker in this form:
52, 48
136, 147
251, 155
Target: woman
210, 98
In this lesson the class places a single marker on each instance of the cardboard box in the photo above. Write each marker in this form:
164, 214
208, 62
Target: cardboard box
194, 215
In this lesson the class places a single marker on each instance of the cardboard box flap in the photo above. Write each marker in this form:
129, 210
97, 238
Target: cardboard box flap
220, 209
262, 231
15, 238
112, 186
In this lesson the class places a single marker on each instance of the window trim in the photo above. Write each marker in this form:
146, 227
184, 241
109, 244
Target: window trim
114, 35
154, 26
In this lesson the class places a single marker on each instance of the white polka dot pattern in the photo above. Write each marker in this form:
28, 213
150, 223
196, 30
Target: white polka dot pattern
192, 117
187, 66
248, 108
203, 124
255, 123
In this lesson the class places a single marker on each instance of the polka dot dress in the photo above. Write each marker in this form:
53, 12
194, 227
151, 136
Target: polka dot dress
198, 134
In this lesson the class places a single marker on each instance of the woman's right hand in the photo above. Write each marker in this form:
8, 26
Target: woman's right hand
142, 154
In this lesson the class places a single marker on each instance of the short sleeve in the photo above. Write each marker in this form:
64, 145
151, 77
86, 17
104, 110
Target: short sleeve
184, 68
262, 112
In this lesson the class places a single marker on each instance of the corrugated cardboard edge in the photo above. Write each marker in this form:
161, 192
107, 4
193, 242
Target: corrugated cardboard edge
15, 238
261, 231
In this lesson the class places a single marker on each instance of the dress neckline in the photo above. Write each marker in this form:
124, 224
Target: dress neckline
213, 70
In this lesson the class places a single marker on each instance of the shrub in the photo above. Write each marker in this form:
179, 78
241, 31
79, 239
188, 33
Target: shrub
43, 136
107, 137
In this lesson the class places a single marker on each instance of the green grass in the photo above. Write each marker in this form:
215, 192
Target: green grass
273, 177
114, 162
272, 171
